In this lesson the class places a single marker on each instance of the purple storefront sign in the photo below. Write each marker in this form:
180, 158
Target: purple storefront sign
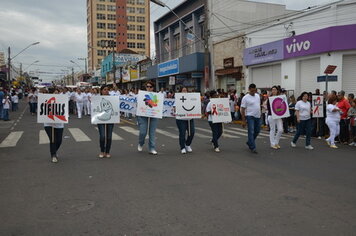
264, 53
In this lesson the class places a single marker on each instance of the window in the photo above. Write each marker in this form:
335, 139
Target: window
140, 2
112, 0
101, 53
141, 37
131, 27
141, 45
140, 19
131, 36
100, 25
131, 18
111, 35
111, 17
141, 52
100, 16
111, 8
131, 45
132, 2
140, 10
111, 26
140, 28
101, 34
101, 0
100, 7
130, 10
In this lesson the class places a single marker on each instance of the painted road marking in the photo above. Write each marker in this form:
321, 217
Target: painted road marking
168, 134
209, 131
12, 139
244, 130
43, 137
114, 136
79, 135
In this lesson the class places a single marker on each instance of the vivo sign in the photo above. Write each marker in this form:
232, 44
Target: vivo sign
298, 46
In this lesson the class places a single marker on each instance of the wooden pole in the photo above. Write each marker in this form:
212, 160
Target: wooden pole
105, 136
317, 125
189, 128
223, 130
148, 126
52, 134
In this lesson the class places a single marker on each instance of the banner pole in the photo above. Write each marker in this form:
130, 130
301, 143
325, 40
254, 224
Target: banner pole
317, 125
105, 136
148, 126
52, 134
189, 128
223, 130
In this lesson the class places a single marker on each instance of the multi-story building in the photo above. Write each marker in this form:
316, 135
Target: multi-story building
118, 24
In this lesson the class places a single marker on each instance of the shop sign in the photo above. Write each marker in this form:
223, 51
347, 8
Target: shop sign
168, 68
264, 53
229, 62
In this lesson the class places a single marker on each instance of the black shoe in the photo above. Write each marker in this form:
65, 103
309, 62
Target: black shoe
254, 151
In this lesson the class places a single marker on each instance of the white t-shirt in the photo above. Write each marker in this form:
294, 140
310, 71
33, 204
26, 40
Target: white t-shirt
252, 104
304, 109
15, 99
6, 103
114, 93
79, 97
330, 115
208, 109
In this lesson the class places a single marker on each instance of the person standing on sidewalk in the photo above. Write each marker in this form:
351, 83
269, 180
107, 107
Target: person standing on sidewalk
274, 123
1, 105
344, 105
303, 112
333, 121
251, 113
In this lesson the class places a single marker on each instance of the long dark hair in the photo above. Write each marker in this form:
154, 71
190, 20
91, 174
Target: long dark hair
302, 95
102, 88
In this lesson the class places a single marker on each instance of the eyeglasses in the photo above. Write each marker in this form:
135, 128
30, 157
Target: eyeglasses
149, 86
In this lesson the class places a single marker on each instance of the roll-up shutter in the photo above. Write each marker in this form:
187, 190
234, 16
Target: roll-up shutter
309, 72
266, 76
349, 74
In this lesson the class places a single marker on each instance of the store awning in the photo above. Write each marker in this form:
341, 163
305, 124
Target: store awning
229, 71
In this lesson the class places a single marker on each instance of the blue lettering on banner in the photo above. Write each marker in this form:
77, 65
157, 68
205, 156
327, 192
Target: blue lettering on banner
168, 68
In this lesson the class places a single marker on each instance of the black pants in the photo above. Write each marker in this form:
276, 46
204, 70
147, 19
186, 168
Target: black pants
183, 130
58, 134
216, 129
344, 131
318, 131
105, 142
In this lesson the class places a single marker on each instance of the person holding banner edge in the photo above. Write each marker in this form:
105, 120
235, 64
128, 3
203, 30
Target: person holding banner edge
274, 123
216, 128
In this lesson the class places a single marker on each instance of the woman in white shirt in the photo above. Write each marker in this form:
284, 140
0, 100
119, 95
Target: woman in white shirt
274, 123
303, 113
79, 100
333, 114
15, 101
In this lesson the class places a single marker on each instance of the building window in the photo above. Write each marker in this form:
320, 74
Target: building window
101, 53
101, 34
112, 0
111, 35
131, 27
140, 28
111, 8
100, 25
141, 52
131, 36
140, 19
131, 18
141, 36
111, 26
130, 10
132, 2
100, 16
131, 45
101, 0
111, 17
141, 45
140, 2
140, 10
100, 7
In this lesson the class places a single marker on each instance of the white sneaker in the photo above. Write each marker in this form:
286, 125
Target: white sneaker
309, 147
352, 144
139, 148
217, 149
293, 144
319, 137
153, 152
183, 151
188, 148
54, 159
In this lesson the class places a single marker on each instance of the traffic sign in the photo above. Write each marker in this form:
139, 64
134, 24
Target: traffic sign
331, 78
330, 69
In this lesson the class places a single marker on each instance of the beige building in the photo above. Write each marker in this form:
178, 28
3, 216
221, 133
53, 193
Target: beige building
117, 23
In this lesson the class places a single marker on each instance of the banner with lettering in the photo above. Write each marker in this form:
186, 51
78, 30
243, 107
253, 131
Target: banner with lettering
150, 104
105, 110
318, 108
279, 106
128, 104
168, 107
52, 108
188, 106
220, 110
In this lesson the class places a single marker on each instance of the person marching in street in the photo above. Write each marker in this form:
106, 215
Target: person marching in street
352, 115
33, 97
216, 128
79, 100
6, 102
147, 124
15, 101
56, 130
344, 106
274, 135
185, 128
105, 130
303, 112
86, 102
333, 121
251, 113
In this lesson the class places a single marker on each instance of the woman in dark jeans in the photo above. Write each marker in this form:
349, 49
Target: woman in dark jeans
105, 131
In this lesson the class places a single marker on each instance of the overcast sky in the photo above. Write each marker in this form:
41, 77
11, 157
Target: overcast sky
60, 27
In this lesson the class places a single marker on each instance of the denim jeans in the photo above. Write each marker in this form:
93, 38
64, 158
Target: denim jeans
5, 114
183, 128
1, 110
254, 126
105, 142
303, 127
143, 127
216, 129
14, 106
33, 107
58, 134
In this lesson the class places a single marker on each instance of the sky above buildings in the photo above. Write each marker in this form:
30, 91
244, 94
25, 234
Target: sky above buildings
60, 27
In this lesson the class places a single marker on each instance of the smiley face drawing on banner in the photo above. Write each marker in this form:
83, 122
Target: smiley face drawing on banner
188, 106
279, 106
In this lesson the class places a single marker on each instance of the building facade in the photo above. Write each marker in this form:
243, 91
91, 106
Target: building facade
117, 25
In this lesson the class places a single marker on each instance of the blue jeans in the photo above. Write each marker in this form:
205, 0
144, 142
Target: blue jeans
254, 126
303, 127
33, 107
105, 143
143, 127
216, 129
14, 106
5, 113
1, 111
183, 129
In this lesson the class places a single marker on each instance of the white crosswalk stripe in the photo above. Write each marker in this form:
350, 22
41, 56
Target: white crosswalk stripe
11, 140
209, 131
115, 137
243, 130
43, 137
168, 134
79, 135
130, 130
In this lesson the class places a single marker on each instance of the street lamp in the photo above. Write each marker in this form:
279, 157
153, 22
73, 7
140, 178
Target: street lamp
85, 60
11, 58
31, 64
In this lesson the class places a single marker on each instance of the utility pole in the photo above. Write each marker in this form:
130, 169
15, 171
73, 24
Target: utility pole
207, 66
72, 75
9, 68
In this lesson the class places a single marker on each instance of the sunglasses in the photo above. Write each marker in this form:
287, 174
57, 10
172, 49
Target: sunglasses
149, 86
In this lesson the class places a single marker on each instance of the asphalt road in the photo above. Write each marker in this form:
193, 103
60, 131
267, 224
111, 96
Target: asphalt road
283, 192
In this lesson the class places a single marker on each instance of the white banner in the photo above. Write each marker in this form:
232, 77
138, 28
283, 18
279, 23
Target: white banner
279, 106
188, 106
128, 104
220, 110
105, 110
150, 104
52, 108
318, 108
168, 107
